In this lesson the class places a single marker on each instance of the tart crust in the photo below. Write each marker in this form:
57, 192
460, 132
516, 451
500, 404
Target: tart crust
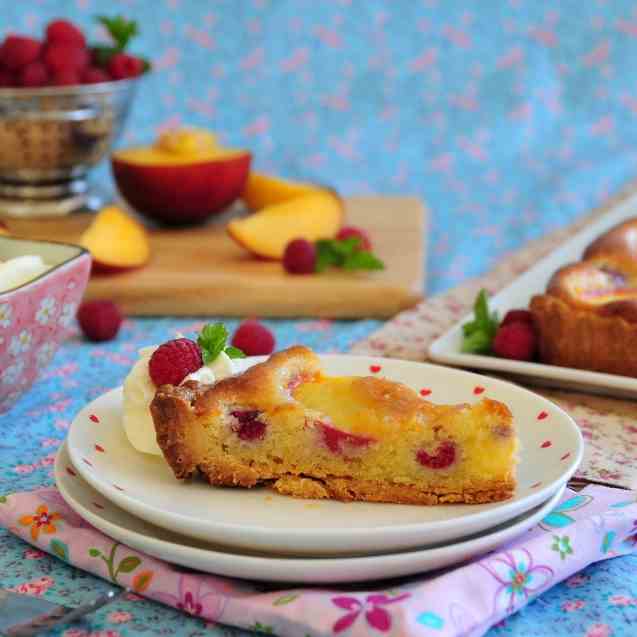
583, 339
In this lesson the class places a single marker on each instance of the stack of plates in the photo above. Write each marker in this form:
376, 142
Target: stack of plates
257, 534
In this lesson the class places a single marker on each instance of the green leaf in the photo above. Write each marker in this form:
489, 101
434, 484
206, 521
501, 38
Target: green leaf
94, 552
481, 308
3, 499
120, 29
346, 247
479, 333
363, 260
128, 564
477, 343
212, 340
326, 255
346, 254
286, 599
234, 352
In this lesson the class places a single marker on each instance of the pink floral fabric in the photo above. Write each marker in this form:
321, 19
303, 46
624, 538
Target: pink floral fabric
584, 528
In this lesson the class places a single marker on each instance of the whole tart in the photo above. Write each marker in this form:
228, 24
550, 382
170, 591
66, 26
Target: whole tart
587, 318
286, 424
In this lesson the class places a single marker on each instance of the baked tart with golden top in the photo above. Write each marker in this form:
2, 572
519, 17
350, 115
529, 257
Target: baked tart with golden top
587, 318
285, 423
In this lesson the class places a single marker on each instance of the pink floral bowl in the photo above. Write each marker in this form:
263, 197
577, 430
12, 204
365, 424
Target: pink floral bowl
36, 316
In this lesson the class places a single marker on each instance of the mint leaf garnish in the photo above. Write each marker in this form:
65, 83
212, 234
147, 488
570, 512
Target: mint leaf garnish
479, 333
120, 29
346, 254
363, 260
212, 341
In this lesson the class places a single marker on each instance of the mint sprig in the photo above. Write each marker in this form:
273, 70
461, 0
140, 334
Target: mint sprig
121, 32
346, 254
479, 333
212, 340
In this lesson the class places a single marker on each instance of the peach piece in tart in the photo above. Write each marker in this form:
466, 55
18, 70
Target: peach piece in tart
286, 424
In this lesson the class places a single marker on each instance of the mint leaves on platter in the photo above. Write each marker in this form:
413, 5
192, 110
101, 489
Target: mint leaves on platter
479, 333
212, 341
345, 254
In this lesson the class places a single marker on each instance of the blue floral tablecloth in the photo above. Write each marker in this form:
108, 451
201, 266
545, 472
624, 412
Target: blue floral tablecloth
509, 117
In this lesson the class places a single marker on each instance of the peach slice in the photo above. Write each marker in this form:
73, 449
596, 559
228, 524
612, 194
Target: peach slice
116, 241
313, 216
263, 190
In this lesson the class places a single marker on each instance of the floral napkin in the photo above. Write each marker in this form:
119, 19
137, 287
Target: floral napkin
596, 524
609, 425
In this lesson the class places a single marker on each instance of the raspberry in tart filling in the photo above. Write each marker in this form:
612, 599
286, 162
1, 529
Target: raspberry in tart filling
284, 423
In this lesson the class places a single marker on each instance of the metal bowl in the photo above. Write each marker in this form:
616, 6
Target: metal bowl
51, 137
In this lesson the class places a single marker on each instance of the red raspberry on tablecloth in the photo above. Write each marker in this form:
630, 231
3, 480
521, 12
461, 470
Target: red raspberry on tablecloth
254, 338
100, 320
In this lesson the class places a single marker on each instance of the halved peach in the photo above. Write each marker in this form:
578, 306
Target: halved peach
264, 190
116, 241
317, 215
184, 178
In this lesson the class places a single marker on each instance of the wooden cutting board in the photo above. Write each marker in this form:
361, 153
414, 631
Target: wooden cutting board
202, 272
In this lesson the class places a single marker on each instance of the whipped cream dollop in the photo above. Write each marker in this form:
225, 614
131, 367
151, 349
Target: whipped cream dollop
139, 391
20, 270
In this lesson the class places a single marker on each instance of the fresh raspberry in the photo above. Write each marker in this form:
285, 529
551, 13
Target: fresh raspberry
63, 56
18, 51
352, 231
444, 456
33, 74
94, 75
7, 78
173, 361
99, 320
253, 338
66, 77
516, 341
299, 257
64, 31
517, 316
122, 66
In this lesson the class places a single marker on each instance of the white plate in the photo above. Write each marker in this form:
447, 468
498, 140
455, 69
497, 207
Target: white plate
258, 519
446, 349
171, 547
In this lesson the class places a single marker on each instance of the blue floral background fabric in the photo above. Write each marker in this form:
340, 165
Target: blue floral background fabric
508, 117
